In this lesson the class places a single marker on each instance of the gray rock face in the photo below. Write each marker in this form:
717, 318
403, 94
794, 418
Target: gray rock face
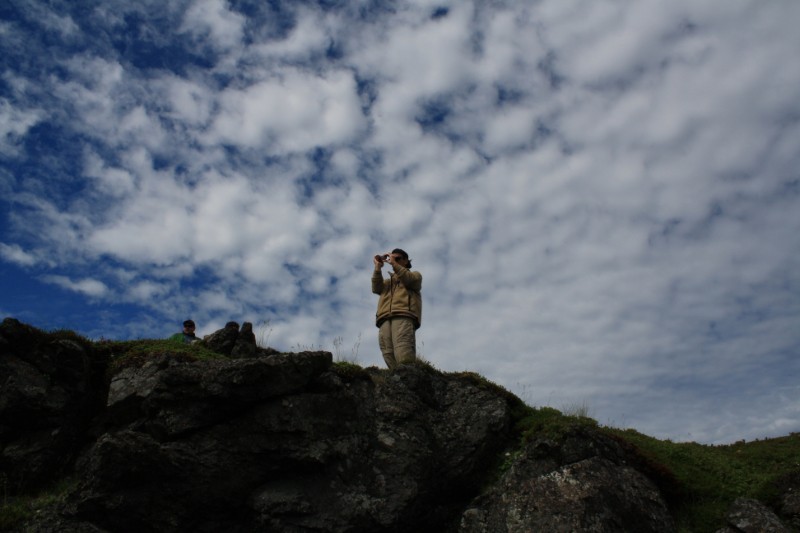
751, 516
281, 443
788, 505
580, 483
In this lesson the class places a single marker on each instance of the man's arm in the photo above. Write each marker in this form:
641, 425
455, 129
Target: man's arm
377, 276
411, 280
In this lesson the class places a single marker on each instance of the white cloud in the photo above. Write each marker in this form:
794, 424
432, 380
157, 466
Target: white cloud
426, 58
116, 182
15, 254
155, 227
602, 198
88, 286
213, 20
510, 128
312, 34
14, 124
294, 112
146, 291
190, 101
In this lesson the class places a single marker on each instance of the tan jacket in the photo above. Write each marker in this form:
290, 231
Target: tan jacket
399, 295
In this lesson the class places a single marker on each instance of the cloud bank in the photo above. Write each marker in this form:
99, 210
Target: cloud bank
602, 198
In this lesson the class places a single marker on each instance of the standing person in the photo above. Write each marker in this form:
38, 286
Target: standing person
399, 307
187, 336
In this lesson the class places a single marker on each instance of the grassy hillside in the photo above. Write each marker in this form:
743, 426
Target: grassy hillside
700, 481
711, 477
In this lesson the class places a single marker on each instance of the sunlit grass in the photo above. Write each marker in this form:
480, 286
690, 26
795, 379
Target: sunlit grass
125, 354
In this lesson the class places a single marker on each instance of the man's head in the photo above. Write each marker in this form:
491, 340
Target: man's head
188, 326
401, 257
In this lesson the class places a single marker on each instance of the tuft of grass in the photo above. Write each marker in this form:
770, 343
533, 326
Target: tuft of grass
350, 371
264, 331
299, 348
17, 510
424, 363
66, 334
580, 410
338, 354
550, 423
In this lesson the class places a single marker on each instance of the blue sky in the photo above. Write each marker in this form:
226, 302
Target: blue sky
603, 197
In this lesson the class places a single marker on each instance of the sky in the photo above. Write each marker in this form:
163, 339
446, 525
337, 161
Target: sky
602, 197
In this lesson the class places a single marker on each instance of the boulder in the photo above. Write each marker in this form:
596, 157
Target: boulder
583, 481
282, 443
236, 343
747, 515
245, 345
787, 503
223, 340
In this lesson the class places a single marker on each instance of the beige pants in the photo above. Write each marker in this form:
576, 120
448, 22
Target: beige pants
398, 342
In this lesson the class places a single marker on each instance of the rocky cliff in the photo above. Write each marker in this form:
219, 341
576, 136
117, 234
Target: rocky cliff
256, 440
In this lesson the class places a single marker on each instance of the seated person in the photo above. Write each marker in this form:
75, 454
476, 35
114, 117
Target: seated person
187, 336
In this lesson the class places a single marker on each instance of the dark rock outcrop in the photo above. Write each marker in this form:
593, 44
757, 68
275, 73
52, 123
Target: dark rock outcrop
747, 515
283, 443
235, 342
788, 500
51, 387
245, 345
224, 340
266, 441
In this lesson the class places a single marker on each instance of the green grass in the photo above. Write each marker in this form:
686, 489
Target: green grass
699, 482
16, 510
350, 371
549, 422
66, 334
125, 354
711, 477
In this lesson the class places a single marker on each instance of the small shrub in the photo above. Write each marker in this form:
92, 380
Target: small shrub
580, 410
66, 334
349, 371
263, 333
339, 355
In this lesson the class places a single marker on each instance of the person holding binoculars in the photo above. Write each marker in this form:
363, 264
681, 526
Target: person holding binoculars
399, 312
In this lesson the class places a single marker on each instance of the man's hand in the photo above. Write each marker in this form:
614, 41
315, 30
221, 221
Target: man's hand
378, 260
